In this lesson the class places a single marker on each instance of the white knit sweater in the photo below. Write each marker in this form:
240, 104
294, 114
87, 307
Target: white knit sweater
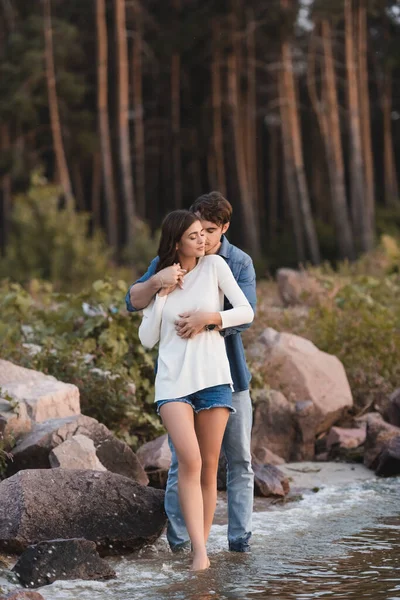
189, 365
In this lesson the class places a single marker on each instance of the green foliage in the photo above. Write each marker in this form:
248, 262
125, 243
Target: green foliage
142, 249
87, 339
50, 243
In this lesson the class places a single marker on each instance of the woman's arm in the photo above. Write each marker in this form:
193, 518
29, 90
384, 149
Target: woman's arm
150, 327
241, 313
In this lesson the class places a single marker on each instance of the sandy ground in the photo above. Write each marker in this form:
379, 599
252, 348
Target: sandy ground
309, 475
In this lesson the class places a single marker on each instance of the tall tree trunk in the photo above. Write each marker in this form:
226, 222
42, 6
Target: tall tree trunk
295, 133
104, 127
251, 110
327, 111
218, 136
78, 185
389, 163
290, 171
273, 176
138, 108
365, 113
61, 161
176, 118
359, 208
5, 204
123, 118
250, 226
95, 205
251, 232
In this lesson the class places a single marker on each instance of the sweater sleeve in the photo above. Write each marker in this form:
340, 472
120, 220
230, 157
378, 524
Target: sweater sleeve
150, 327
241, 313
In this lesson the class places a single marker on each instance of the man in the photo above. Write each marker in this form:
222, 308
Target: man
215, 214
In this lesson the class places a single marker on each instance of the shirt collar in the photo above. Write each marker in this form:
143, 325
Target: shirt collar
225, 248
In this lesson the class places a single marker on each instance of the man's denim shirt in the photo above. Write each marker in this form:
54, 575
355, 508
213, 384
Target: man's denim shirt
242, 268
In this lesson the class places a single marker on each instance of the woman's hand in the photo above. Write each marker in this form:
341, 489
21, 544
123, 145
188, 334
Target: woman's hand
167, 290
170, 277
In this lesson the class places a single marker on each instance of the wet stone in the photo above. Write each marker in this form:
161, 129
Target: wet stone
49, 561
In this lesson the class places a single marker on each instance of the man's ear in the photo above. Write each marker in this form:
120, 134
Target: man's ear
225, 228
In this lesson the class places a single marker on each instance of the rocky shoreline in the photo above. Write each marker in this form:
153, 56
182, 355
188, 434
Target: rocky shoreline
71, 489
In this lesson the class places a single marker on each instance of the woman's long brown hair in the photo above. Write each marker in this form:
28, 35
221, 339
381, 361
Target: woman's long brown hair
172, 229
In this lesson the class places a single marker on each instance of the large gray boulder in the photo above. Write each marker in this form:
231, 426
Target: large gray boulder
55, 560
43, 396
33, 451
295, 366
392, 412
273, 425
283, 430
117, 513
382, 446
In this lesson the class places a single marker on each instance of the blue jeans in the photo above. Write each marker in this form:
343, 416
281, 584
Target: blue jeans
240, 481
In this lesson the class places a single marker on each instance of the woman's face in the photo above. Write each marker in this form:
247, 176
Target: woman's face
192, 243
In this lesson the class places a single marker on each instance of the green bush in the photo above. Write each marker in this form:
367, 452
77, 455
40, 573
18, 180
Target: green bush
142, 249
87, 339
50, 243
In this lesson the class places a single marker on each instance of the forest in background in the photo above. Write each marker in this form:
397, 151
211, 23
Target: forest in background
289, 108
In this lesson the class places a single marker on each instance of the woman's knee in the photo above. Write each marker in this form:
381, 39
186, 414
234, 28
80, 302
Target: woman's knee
190, 463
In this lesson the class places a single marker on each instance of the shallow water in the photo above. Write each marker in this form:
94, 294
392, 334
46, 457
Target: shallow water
341, 542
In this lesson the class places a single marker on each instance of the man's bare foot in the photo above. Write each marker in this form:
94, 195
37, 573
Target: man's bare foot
200, 562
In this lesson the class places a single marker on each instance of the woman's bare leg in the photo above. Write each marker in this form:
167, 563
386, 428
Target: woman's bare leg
178, 418
210, 427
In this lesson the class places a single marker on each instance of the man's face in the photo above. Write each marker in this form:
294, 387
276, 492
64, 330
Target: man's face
212, 234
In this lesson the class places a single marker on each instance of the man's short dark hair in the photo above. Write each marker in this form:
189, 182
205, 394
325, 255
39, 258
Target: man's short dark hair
213, 207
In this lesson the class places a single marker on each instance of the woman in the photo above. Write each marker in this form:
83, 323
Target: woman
193, 375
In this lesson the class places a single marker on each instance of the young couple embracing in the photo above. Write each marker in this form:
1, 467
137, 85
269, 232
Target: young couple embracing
198, 295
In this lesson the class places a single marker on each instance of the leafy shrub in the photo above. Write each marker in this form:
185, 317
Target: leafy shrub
87, 339
51, 243
142, 249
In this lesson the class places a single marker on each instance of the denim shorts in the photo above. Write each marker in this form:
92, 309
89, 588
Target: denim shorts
218, 396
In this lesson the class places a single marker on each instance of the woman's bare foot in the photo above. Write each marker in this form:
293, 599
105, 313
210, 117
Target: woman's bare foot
200, 562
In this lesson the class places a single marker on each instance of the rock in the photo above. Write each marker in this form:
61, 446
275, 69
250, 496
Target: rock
54, 560
263, 455
295, 365
155, 454
306, 420
269, 481
389, 459
76, 453
22, 595
33, 451
14, 423
43, 395
379, 434
392, 413
155, 457
273, 426
117, 513
345, 438
298, 287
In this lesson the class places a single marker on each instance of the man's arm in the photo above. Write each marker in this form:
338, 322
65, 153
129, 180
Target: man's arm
147, 284
141, 293
247, 283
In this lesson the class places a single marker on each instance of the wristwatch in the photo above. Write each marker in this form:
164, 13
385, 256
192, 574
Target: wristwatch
210, 327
